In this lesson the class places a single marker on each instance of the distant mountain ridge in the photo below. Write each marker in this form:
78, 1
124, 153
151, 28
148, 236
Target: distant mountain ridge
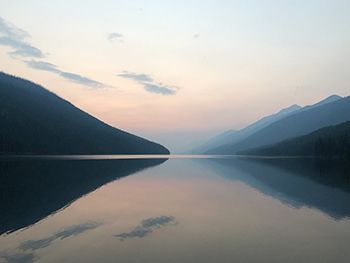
36, 121
232, 136
323, 102
331, 111
207, 144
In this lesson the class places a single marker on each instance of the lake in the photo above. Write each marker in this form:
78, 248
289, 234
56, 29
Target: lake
174, 209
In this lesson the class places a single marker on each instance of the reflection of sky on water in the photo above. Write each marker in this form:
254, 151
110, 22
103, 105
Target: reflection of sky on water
67, 232
147, 227
18, 257
21, 254
220, 221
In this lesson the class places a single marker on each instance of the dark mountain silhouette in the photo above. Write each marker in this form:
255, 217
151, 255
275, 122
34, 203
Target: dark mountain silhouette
36, 121
297, 182
32, 189
328, 141
300, 123
233, 136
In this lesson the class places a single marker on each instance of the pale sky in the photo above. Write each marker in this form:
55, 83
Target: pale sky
151, 67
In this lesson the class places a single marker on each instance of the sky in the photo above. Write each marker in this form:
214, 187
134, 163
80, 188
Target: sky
179, 70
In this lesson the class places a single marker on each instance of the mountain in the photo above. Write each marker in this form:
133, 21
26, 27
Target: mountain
180, 141
216, 140
232, 136
36, 121
328, 141
300, 123
323, 102
187, 148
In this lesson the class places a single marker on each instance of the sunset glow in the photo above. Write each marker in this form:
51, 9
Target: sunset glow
153, 67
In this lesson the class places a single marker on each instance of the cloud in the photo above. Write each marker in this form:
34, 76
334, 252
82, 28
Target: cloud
12, 31
160, 89
136, 77
83, 80
14, 38
146, 81
115, 37
146, 227
28, 51
46, 66
7, 41
41, 65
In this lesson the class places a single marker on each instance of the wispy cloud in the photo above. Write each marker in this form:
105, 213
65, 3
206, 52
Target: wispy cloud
12, 31
14, 37
160, 89
147, 227
148, 83
83, 80
46, 66
7, 41
115, 37
28, 51
136, 77
41, 65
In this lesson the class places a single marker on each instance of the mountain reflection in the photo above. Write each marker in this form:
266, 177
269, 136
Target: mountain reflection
321, 184
33, 189
147, 227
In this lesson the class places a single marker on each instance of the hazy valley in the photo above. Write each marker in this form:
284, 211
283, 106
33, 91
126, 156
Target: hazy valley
174, 131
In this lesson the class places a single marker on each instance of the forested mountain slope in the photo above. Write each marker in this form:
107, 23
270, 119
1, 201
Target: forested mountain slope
36, 121
328, 141
233, 136
297, 124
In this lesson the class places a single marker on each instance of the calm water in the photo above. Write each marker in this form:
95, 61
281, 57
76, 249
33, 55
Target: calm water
221, 209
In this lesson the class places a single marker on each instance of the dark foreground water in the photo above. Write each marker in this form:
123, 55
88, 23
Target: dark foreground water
222, 209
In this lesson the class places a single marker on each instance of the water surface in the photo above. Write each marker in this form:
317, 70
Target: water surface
222, 209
